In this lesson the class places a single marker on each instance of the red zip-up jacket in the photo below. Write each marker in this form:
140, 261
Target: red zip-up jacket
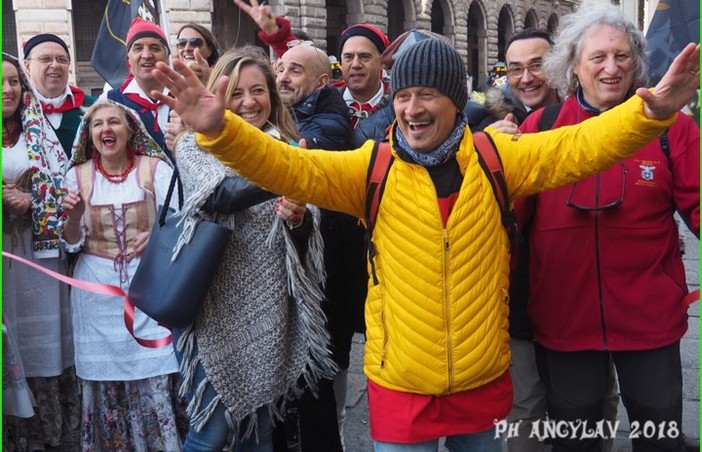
613, 279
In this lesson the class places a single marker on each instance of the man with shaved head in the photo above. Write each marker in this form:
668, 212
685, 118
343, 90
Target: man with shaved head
303, 74
322, 118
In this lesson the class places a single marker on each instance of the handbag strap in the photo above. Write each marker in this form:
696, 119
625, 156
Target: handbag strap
167, 203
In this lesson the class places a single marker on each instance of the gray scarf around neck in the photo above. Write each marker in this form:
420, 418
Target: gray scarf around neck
440, 155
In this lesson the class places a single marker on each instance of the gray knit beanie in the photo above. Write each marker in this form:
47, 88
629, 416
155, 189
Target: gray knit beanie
433, 63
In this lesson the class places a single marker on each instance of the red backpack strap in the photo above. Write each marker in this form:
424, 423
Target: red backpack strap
692, 297
378, 169
491, 164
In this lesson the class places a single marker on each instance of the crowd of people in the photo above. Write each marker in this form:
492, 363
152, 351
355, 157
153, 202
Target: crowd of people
464, 324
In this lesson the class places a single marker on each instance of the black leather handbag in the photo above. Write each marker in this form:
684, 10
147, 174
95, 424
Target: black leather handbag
172, 291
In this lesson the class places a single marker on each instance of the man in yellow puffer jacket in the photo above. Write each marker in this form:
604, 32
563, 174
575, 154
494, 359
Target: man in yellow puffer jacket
437, 351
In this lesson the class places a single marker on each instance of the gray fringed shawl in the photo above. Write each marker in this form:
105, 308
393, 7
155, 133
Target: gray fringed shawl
262, 326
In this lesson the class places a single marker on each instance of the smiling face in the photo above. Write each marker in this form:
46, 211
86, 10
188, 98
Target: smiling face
531, 90
110, 133
251, 98
605, 68
187, 53
48, 77
360, 67
143, 56
11, 89
426, 117
300, 71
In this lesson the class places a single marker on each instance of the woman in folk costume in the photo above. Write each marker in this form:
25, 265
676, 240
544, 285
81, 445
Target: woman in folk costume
260, 333
117, 178
35, 307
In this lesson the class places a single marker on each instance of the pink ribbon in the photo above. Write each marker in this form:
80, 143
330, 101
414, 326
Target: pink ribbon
102, 289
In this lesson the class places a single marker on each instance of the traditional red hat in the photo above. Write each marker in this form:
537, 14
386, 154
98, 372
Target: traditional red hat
376, 36
141, 28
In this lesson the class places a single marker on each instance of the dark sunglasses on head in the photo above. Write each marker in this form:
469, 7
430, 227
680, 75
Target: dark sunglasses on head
300, 42
194, 42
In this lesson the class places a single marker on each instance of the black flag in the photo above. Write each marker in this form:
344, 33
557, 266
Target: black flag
109, 57
675, 24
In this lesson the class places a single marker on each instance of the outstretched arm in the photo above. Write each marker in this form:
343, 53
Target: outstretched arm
201, 109
677, 86
275, 31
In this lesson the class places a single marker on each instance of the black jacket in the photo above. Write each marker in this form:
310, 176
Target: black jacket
499, 102
323, 120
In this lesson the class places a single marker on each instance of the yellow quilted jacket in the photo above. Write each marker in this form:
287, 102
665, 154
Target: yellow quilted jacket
437, 319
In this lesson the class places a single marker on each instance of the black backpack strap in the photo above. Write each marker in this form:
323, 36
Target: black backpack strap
549, 116
378, 169
490, 162
664, 141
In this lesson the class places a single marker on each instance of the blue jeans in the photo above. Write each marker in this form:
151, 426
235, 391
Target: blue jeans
214, 434
474, 442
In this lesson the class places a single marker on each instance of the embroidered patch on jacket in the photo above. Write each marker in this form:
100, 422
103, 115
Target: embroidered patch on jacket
647, 172
650, 172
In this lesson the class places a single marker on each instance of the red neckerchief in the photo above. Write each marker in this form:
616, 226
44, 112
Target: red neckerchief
360, 111
71, 103
145, 104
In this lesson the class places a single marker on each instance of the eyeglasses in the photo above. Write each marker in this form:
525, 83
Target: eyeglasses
194, 42
599, 204
300, 42
47, 59
536, 68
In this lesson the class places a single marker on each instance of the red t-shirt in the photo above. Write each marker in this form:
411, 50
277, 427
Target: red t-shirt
403, 417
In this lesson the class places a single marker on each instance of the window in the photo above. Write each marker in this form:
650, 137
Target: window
87, 17
9, 29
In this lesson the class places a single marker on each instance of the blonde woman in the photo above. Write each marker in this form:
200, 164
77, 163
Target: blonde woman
260, 334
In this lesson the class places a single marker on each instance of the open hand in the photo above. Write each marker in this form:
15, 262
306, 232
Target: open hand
199, 108
261, 13
677, 86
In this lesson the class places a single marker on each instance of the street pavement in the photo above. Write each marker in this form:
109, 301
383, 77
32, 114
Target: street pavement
357, 429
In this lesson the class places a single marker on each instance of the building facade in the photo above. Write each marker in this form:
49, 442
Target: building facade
478, 29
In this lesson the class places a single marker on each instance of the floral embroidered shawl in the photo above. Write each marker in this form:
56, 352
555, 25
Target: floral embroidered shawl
46, 163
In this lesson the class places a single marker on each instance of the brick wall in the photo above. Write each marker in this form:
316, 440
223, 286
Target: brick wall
45, 16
